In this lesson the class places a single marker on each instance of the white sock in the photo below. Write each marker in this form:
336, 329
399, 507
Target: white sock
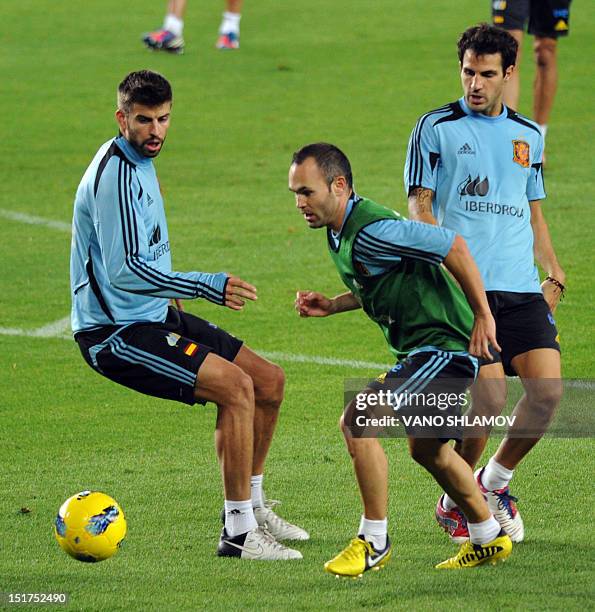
239, 517
173, 24
448, 503
495, 476
484, 532
230, 23
374, 532
543, 128
256, 491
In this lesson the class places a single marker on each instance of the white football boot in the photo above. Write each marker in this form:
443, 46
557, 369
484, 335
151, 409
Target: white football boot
278, 527
257, 544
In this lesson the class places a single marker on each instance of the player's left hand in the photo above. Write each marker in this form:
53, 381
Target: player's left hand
177, 302
237, 291
551, 294
483, 335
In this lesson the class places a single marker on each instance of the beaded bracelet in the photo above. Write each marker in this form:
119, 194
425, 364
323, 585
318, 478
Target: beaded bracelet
557, 283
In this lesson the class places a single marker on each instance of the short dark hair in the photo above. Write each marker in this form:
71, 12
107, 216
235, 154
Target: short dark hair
143, 87
329, 158
485, 39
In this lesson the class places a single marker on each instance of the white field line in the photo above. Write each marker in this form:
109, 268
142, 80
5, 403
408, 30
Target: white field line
57, 329
351, 363
61, 329
33, 220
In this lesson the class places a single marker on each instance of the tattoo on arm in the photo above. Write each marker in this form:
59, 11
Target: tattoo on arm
420, 201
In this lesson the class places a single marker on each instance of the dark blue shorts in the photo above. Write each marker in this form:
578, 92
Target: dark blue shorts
547, 18
158, 359
428, 391
523, 323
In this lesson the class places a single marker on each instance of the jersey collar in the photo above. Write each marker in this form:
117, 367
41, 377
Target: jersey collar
481, 116
334, 238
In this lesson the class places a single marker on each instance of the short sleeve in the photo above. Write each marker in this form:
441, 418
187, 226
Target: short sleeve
535, 184
386, 242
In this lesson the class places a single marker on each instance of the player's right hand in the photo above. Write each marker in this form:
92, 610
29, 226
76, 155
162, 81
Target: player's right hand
551, 294
313, 304
483, 335
237, 291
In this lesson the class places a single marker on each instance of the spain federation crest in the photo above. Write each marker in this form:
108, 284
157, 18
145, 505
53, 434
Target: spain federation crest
520, 153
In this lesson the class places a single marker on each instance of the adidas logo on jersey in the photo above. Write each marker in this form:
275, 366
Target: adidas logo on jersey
466, 150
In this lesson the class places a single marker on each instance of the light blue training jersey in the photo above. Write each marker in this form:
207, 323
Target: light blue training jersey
484, 171
120, 262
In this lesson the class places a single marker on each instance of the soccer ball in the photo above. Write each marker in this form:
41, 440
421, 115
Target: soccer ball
90, 526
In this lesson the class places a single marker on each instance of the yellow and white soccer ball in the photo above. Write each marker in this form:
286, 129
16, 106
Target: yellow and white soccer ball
90, 526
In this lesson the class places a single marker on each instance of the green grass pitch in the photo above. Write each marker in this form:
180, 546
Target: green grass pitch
352, 72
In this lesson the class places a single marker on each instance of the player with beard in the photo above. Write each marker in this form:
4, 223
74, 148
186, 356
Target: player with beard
122, 281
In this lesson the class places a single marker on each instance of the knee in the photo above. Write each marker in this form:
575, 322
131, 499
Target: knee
488, 401
355, 446
270, 392
545, 52
345, 429
278, 384
489, 406
360, 447
544, 398
347, 425
240, 391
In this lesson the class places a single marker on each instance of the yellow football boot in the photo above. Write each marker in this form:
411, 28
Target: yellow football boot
472, 555
359, 557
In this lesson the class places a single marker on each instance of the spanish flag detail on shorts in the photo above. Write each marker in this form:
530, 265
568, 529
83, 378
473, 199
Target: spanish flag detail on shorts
191, 349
